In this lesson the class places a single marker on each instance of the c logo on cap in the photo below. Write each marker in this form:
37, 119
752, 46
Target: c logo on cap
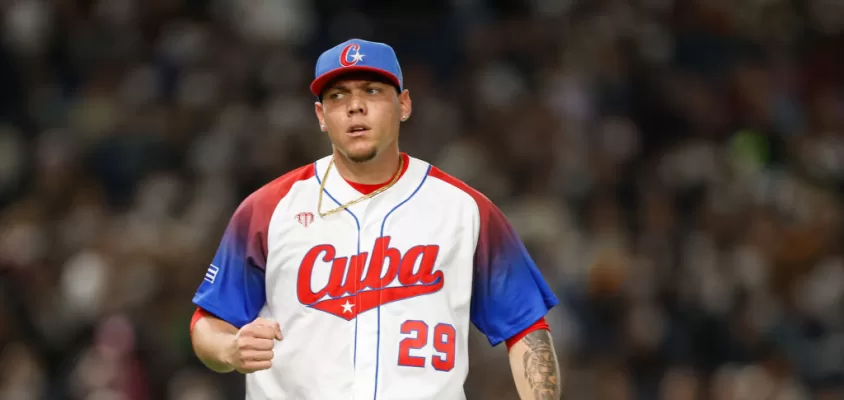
344, 55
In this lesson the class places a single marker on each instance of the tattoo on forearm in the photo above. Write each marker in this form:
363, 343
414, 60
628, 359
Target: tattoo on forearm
540, 364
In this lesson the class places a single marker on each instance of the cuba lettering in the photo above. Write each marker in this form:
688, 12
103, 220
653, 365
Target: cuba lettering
349, 297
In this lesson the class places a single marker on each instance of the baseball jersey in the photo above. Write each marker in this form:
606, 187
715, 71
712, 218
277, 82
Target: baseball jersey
375, 301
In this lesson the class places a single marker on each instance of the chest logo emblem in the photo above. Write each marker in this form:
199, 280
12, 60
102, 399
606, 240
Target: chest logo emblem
305, 218
349, 293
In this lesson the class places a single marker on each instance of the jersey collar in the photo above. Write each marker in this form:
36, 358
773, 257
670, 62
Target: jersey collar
339, 191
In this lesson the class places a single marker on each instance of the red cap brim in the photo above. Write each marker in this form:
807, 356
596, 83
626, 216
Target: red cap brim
319, 83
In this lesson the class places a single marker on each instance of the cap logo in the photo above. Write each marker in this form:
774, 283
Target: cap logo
346, 59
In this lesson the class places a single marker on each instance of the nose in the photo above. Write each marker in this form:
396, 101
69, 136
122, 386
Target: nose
356, 106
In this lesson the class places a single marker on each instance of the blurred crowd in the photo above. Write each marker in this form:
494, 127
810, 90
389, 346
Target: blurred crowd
675, 167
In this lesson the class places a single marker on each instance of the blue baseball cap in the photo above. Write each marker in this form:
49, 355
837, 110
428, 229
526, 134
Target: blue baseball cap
356, 55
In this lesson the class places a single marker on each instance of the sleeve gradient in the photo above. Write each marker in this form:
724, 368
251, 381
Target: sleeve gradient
509, 293
233, 288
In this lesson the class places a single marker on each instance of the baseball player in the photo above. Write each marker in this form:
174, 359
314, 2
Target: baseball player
356, 276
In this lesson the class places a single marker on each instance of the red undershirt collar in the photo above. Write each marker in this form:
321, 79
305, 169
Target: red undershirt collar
365, 188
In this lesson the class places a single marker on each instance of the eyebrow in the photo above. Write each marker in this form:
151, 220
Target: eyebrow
338, 87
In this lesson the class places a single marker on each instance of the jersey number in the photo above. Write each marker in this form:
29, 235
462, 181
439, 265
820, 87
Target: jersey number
443, 342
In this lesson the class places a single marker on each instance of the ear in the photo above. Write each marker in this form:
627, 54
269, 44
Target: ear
405, 105
320, 116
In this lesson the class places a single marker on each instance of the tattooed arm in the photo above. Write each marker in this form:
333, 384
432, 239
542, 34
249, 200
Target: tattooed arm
535, 367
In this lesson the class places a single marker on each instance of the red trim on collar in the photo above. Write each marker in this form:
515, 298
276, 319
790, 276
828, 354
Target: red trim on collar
365, 188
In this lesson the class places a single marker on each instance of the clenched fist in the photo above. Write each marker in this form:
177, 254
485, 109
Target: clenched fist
252, 347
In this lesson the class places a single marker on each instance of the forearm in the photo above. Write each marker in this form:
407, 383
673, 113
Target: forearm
536, 370
211, 338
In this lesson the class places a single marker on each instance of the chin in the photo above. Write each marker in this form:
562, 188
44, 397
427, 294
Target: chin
362, 156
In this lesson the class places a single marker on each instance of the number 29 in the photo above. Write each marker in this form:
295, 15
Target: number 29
442, 340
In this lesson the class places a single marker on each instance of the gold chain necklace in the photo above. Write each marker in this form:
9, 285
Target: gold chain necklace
358, 200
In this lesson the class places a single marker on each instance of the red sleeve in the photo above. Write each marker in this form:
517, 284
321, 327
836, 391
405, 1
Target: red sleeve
541, 324
197, 315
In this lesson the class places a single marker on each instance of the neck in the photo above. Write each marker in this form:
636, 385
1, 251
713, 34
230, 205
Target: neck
378, 170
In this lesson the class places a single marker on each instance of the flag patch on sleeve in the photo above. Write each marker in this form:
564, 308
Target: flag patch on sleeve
211, 274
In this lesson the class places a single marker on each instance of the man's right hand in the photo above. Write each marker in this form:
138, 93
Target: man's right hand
252, 347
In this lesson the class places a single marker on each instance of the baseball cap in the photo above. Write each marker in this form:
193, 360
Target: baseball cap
356, 55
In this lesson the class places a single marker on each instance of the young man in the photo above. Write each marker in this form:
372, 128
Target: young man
356, 277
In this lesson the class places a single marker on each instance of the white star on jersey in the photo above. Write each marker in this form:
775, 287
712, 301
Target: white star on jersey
357, 56
347, 308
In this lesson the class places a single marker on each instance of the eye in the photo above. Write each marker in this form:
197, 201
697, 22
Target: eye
373, 90
335, 96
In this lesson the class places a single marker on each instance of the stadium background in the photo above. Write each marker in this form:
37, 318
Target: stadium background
676, 168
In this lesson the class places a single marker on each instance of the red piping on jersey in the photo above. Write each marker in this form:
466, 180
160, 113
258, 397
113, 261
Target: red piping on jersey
541, 324
197, 315
365, 188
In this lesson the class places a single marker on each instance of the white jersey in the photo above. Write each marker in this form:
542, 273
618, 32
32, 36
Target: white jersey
374, 302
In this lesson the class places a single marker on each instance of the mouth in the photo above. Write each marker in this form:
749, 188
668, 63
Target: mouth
357, 130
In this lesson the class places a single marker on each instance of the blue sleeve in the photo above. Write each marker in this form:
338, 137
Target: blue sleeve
508, 292
233, 288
